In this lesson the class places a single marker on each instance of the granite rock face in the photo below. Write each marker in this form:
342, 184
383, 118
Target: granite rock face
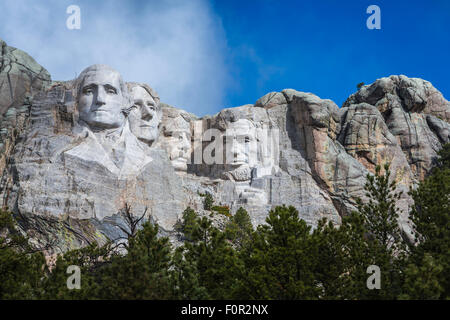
415, 113
76, 154
20, 77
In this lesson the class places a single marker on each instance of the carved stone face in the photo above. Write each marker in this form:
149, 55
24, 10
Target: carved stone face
241, 141
145, 117
100, 99
178, 143
179, 150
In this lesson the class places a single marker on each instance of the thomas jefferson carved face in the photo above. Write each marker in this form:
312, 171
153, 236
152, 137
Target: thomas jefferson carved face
145, 116
101, 97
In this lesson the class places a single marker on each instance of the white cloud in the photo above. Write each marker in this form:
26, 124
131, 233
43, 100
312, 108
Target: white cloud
175, 46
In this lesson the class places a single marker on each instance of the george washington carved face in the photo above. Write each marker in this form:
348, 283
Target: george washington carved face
101, 97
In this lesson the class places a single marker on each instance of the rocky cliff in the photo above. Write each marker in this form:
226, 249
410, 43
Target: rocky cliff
75, 153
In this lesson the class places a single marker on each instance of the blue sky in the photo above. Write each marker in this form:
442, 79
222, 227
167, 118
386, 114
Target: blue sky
324, 46
207, 55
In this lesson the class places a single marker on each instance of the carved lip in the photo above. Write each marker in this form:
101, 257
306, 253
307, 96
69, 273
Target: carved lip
238, 162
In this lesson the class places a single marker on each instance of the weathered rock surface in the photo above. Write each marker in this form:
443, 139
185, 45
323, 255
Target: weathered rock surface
20, 76
68, 174
408, 106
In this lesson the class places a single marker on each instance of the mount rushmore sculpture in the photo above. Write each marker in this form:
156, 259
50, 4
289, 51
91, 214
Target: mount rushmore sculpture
76, 153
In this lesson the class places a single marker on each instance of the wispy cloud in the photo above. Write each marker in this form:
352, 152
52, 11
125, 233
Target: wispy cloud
175, 46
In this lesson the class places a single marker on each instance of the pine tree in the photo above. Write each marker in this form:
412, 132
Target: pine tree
385, 246
21, 267
333, 263
380, 213
141, 273
184, 278
281, 261
218, 266
444, 157
358, 255
208, 202
239, 228
91, 260
431, 217
422, 280
189, 223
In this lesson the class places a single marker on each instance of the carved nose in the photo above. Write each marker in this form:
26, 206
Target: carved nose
100, 98
146, 114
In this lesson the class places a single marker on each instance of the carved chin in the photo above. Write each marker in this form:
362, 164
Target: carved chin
241, 173
148, 136
180, 164
102, 119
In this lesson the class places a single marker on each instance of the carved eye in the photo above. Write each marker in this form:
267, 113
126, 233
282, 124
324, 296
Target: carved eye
88, 91
247, 139
111, 91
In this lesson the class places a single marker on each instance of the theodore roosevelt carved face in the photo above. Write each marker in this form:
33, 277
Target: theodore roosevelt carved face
102, 97
177, 135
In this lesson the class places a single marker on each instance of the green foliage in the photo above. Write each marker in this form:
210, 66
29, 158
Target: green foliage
422, 280
215, 261
281, 260
431, 217
143, 272
189, 223
224, 210
208, 202
89, 259
334, 259
21, 268
184, 277
380, 212
385, 246
240, 228
444, 157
